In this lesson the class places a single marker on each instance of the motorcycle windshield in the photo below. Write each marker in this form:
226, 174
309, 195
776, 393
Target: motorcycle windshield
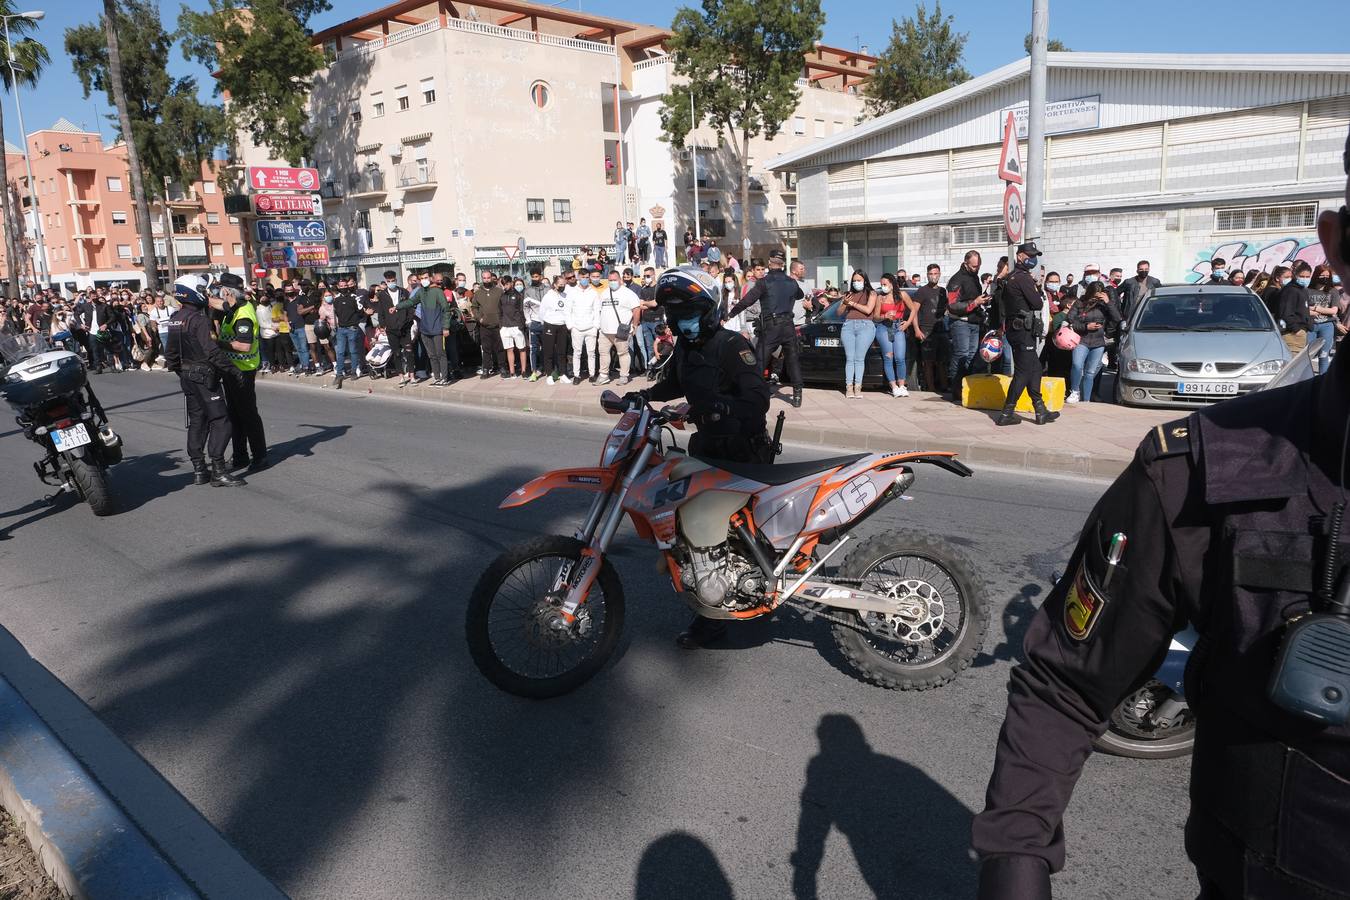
15, 347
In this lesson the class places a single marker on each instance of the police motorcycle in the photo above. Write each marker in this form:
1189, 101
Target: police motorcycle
56, 408
1155, 721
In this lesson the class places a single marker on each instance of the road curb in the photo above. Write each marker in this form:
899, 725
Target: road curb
102, 821
1002, 454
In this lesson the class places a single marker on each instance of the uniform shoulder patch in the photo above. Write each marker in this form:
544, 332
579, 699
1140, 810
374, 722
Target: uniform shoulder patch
1168, 439
748, 357
1083, 606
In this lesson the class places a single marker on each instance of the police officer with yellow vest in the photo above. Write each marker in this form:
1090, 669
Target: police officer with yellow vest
239, 338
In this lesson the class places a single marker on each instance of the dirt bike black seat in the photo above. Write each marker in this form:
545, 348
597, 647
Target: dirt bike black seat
779, 473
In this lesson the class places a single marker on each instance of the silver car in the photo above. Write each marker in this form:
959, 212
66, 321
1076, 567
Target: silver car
1189, 345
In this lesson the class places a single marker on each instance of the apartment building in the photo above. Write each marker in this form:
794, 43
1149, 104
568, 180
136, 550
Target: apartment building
446, 133
88, 222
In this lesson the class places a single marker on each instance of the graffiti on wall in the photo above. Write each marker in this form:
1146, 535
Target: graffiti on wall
1265, 256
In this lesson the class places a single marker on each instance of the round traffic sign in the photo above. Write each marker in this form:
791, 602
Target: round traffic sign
259, 271
1013, 221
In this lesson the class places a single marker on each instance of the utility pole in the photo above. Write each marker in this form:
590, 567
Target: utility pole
1040, 30
693, 124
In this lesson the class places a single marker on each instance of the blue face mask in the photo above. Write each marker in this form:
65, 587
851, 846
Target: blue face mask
1303, 282
1030, 261
1219, 273
689, 327
1091, 279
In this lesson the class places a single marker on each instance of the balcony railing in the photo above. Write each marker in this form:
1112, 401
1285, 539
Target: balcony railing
370, 181
332, 190
413, 176
183, 198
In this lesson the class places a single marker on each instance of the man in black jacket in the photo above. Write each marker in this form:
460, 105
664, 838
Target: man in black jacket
1023, 299
966, 306
1293, 306
1137, 288
348, 340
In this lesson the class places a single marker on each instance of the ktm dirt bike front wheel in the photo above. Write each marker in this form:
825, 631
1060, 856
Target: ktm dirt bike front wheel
940, 616
517, 634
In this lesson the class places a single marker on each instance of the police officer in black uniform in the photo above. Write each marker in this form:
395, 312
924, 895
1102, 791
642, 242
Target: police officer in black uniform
1021, 300
1231, 520
717, 372
778, 296
191, 351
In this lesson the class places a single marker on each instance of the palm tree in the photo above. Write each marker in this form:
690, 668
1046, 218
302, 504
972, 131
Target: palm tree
133, 155
20, 66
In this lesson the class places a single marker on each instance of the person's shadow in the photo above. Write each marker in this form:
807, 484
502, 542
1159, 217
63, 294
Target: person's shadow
678, 865
908, 834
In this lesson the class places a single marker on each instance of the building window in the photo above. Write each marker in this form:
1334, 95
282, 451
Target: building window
179, 224
124, 251
428, 88
534, 210
608, 104
356, 115
332, 120
379, 108
978, 236
788, 180
426, 221
820, 128
562, 210
208, 187
237, 249
234, 220
838, 127
799, 124
790, 218
114, 183
1266, 218
540, 94
401, 94
212, 218
217, 250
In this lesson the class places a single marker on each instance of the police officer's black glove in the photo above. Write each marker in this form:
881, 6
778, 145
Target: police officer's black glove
636, 397
715, 412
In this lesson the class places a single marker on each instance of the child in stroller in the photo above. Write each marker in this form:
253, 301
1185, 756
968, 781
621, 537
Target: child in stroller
378, 356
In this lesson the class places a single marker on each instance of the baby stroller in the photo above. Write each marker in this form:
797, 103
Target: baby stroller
378, 356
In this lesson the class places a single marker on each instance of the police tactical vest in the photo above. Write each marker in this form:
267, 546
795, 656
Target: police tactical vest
250, 359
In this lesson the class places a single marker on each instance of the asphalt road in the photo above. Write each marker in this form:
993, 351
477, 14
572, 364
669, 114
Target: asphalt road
291, 656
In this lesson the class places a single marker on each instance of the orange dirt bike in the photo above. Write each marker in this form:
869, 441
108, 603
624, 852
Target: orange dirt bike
739, 541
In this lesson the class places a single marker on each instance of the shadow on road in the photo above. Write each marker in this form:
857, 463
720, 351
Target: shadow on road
305, 444
40, 509
908, 834
137, 480
1017, 616
678, 866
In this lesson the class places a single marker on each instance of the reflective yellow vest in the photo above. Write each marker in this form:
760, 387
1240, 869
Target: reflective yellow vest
250, 359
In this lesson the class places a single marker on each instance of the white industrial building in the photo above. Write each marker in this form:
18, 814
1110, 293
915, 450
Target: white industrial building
1172, 158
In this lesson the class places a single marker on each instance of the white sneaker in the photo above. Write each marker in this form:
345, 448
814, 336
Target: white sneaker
551, 380
1072, 398
900, 391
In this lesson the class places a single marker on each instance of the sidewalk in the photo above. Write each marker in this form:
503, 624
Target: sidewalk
1090, 439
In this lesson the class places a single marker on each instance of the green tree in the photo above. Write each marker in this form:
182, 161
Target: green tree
1054, 45
741, 60
172, 132
264, 58
923, 58
28, 57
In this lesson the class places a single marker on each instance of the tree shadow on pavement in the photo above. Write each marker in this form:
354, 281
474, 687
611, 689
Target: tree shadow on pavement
678, 866
908, 834
40, 509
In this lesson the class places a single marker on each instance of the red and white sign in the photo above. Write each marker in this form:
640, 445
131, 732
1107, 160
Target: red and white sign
308, 256
1010, 159
1014, 220
259, 272
282, 204
274, 258
282, 178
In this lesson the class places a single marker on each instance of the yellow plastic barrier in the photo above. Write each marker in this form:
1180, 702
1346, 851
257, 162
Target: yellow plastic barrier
991, 392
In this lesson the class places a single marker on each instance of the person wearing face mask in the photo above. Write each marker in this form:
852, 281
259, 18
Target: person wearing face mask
778, 296
1293, 305
858, 331
1055, 362
433, 314
1218, 270
487, 312
553, 344
619, 312
512, 328
583, 321
929, 300
1270, 294
1137, 288
728, 298
659, 241
892, 321
348, 336
1323, 311
967, 313
535, 292
1024, 301
648, 318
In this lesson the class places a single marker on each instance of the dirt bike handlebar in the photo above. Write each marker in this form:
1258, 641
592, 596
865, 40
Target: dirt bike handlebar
615, 405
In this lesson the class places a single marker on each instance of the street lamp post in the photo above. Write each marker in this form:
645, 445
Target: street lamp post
33, 16
398, 250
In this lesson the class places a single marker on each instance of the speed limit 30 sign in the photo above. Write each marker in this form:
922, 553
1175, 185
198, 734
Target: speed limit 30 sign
1013, 214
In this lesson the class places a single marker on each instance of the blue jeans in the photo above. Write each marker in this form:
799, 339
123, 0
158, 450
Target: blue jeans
965, 341
659, 251
1087, 362
536, 334
301, 348
346, 344
647, 339
858, 335
892, 343
1327, 332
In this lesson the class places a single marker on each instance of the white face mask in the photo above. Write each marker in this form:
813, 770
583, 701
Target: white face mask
857, 285
884, 289
426, 282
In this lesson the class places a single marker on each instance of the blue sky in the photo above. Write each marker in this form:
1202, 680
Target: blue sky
996, 30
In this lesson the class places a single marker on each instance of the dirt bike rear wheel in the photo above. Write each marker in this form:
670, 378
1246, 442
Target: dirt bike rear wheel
515, 634
907, 654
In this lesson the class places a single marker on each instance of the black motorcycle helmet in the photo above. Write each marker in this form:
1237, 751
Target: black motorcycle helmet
687, 293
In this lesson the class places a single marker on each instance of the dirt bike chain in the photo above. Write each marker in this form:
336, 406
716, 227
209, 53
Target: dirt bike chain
811, 611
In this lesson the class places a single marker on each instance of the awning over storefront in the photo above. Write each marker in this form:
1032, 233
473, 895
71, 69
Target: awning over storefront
496, 256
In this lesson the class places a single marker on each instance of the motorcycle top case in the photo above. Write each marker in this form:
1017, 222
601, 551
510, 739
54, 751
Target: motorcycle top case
43, 377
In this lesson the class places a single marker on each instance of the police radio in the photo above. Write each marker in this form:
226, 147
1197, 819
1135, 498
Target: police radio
1312, 672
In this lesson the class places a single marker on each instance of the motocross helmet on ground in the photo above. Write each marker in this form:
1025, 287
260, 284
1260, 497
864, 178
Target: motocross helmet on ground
689, 298
192, 290
991, 347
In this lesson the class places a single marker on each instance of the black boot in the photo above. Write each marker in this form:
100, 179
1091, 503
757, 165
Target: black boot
221, 477
200, 473
796, 398
1043, 415
259, 463
1009, 416
701, 632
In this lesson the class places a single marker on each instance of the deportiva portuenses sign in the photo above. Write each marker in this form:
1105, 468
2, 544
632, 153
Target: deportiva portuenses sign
1061, 116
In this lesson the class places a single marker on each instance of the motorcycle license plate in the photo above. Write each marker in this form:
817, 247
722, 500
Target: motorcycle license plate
827, 342
70, 438
1207, 387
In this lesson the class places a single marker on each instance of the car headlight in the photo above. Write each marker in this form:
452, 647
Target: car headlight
1269, 367
1147, 367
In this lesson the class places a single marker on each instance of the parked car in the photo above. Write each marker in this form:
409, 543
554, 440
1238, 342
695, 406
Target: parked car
822, 352
1189, 345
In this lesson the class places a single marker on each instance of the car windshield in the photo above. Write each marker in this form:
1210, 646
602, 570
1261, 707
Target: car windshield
1204, 312
832, 312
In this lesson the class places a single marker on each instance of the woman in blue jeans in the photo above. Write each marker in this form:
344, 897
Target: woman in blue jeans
1089, 317
894, 317
859, 331
1323, 308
